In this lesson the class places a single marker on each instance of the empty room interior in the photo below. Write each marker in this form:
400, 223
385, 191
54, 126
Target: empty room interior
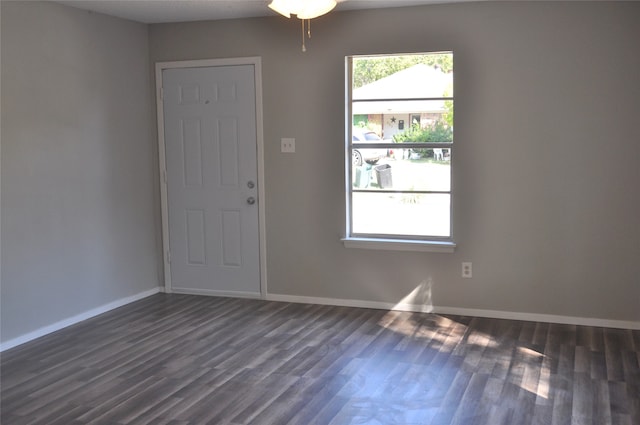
191, 234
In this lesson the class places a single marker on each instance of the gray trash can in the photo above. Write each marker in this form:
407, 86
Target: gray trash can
383, 176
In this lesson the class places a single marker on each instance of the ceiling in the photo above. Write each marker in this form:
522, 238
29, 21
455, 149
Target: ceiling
159, 11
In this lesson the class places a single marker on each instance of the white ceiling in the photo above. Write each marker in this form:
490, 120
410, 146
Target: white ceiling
158, 11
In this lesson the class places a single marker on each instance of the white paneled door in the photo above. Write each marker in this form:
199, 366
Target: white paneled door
210, 140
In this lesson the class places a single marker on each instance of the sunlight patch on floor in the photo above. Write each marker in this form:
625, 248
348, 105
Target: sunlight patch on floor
529, 369
420, 299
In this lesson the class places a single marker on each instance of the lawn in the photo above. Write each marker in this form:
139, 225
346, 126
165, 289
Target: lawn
406, 213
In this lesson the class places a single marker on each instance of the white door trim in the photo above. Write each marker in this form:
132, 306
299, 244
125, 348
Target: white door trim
256, 61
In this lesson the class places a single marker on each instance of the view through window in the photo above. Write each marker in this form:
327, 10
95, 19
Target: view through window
400, 127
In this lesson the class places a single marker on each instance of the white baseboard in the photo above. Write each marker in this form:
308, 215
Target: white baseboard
210, 293
546, 318
75, 319
378, 305
495, 314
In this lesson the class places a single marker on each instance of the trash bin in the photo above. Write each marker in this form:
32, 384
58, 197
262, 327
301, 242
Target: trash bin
383, 176
362, 176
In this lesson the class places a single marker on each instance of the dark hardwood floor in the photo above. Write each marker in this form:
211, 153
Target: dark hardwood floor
187, 360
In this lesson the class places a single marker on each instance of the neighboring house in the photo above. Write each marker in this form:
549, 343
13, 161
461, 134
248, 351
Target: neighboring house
417, 82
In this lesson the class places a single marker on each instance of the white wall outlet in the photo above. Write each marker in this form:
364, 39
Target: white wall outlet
287, 145
467, 270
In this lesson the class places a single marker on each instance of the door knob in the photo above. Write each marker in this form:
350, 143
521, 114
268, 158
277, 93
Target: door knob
251, 200
251, 184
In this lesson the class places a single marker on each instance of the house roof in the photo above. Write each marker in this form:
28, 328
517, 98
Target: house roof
419, 81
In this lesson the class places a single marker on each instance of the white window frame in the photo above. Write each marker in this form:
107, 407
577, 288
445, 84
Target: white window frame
388, 242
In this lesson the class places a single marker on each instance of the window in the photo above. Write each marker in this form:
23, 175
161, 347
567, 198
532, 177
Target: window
399, 151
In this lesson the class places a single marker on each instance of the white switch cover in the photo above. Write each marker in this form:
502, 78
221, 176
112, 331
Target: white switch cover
287, 145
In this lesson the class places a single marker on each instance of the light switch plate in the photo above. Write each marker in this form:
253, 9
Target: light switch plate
287, 145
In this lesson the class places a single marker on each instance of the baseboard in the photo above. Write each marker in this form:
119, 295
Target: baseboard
495, 314
340, 302
378, 305
546, 318
210, 293
76, 319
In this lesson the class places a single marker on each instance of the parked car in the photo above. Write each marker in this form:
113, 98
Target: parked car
368, 155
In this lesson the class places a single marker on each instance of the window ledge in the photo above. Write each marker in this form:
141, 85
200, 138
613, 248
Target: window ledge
399, 245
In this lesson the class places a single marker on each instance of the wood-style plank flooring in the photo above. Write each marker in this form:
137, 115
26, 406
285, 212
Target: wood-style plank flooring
187, 360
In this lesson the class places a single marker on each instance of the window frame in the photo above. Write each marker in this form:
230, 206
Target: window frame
442, 244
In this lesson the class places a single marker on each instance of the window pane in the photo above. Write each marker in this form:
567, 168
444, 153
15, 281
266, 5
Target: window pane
401, 124
434, 125
403, 169
403, 76
401, 214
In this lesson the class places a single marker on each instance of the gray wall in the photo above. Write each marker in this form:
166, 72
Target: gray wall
546, 176
78, 180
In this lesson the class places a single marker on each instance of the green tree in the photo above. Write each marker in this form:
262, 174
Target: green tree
447, 116
368, 69
438, 132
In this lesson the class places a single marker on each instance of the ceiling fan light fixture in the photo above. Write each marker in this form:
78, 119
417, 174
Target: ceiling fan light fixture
281, 6
313, 8
303, 9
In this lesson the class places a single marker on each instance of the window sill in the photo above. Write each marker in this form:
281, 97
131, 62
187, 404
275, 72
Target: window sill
399, 245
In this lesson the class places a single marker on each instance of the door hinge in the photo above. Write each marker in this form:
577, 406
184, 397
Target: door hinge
168, 256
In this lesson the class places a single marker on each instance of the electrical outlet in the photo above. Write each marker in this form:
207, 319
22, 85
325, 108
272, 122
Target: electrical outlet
287, 145
467, 270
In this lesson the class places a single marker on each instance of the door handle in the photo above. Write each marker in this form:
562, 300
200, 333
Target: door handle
251, 200
251, 184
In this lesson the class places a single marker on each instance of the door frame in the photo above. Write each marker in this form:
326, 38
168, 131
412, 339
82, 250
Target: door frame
256, 61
